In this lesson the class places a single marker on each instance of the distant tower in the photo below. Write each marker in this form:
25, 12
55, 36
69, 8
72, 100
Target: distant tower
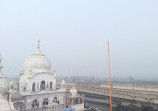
3, 81
1, 66
5, 105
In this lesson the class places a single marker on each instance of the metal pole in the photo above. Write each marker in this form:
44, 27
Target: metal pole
109, 79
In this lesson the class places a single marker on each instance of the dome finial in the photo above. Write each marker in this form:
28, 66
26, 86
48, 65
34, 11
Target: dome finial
38, 50
39, 44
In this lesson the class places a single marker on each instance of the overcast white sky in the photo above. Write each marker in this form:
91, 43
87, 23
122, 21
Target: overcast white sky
74, 36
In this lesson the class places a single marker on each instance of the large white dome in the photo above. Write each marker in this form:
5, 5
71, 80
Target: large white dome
37, 61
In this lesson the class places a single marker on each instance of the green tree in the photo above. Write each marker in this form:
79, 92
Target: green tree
146, 108
132, 107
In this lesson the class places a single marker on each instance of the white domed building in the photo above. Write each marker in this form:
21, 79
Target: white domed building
37, 84
36, 68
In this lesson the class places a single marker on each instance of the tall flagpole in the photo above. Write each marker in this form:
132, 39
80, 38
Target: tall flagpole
109, 79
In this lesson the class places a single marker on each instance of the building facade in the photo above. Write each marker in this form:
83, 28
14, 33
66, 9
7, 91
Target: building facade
37, 85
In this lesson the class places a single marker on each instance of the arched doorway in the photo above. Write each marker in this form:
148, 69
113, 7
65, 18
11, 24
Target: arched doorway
55, 100
35, 104
45, 102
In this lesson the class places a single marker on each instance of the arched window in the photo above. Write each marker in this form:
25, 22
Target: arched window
42, 86
33, 86
45, 102
35, 104
50, 85
81, 101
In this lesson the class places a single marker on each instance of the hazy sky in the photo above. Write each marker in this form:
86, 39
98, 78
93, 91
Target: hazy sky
74, 36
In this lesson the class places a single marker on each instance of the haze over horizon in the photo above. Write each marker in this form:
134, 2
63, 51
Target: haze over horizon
74, 36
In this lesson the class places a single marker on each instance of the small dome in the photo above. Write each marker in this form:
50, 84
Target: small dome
63, 82
73, 91
37, 61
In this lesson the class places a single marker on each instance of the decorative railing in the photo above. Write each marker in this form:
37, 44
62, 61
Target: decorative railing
130, 94
59, 107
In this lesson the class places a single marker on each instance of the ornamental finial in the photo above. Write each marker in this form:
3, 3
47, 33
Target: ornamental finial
38, 44
38, 50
